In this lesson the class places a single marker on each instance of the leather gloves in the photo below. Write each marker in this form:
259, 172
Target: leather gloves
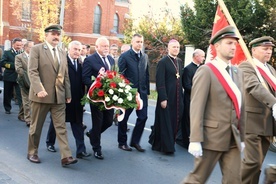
195, 149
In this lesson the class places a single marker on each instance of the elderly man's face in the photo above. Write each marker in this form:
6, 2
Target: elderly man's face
262, 53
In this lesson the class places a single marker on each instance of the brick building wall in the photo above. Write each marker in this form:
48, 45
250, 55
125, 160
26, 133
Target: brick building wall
78, 21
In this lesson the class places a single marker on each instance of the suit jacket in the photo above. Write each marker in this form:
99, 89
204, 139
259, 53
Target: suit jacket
212, 114
259, 102
136, 70
44, 76
91, 67
7, 62
74, 109
21, 67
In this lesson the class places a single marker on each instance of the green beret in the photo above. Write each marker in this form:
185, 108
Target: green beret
226, 32
54, 27
262, 41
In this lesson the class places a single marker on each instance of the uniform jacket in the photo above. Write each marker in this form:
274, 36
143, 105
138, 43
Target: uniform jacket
259, 102
43, 75
91, 67
136, 70
212, 114
21, 67
7, 62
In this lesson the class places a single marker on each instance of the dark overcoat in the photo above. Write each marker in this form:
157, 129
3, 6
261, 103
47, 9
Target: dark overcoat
74, 109
136, 70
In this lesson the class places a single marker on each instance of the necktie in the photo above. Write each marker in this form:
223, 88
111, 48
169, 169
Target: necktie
56, 64
227, 69
75, 64
105, 64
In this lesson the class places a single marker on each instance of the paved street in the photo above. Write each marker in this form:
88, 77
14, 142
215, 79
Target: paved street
118, 167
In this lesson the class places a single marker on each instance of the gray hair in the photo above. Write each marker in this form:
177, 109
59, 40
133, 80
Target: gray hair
75, 42
100, 39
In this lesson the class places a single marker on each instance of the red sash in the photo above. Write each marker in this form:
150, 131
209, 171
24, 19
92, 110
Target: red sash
267, 78
226, 87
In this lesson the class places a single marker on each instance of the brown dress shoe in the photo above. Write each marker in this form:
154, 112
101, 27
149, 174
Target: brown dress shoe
125, 147
68, 161
33, 158
138, 147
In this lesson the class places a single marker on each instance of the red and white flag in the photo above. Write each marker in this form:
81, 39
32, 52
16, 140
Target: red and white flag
220, 22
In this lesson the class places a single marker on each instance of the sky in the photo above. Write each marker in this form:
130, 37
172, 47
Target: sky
155, 7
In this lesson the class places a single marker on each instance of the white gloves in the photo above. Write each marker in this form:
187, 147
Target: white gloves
242, 146
274, 111
195, 149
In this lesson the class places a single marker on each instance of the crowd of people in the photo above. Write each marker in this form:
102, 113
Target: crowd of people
220, 109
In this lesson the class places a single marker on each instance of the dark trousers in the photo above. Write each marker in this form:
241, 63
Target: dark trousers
142, 116
101, 120
77, 129
8, 94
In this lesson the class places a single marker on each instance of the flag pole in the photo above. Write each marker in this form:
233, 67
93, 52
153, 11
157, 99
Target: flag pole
241, 41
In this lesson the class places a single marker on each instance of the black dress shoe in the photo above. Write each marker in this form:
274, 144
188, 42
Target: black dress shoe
83, 154
87, 134
84, 126
98, 155
138, 147
125, 147
51, 148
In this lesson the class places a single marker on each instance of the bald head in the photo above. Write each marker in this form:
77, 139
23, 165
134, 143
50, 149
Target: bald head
198, 56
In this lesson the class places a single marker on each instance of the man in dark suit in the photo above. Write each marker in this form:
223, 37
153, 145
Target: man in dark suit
133, 64
49, 91
259, 101
21, 67
74, 112
10, 77
217, 113
187, 82
101, 120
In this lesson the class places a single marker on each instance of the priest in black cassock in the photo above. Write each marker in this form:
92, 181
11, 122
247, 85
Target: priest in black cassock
187, 82
169, 107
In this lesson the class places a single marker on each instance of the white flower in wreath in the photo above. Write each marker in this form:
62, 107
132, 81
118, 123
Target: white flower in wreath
121, 84
128, 87
120, 100
107, 99
111, 91
126, 91
115, 98
120, 90
129, 98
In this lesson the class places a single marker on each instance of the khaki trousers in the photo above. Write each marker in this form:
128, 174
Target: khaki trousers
26, 105
229, 164
39, 113
256, 147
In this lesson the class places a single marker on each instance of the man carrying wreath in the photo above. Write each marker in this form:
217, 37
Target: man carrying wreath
101, 119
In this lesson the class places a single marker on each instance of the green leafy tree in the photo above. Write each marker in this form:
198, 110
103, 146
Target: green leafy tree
156, 33
197, 23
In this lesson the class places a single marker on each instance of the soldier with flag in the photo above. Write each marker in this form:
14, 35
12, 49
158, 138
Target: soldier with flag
217, 113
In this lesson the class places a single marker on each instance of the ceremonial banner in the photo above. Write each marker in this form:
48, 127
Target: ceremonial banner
220, 22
